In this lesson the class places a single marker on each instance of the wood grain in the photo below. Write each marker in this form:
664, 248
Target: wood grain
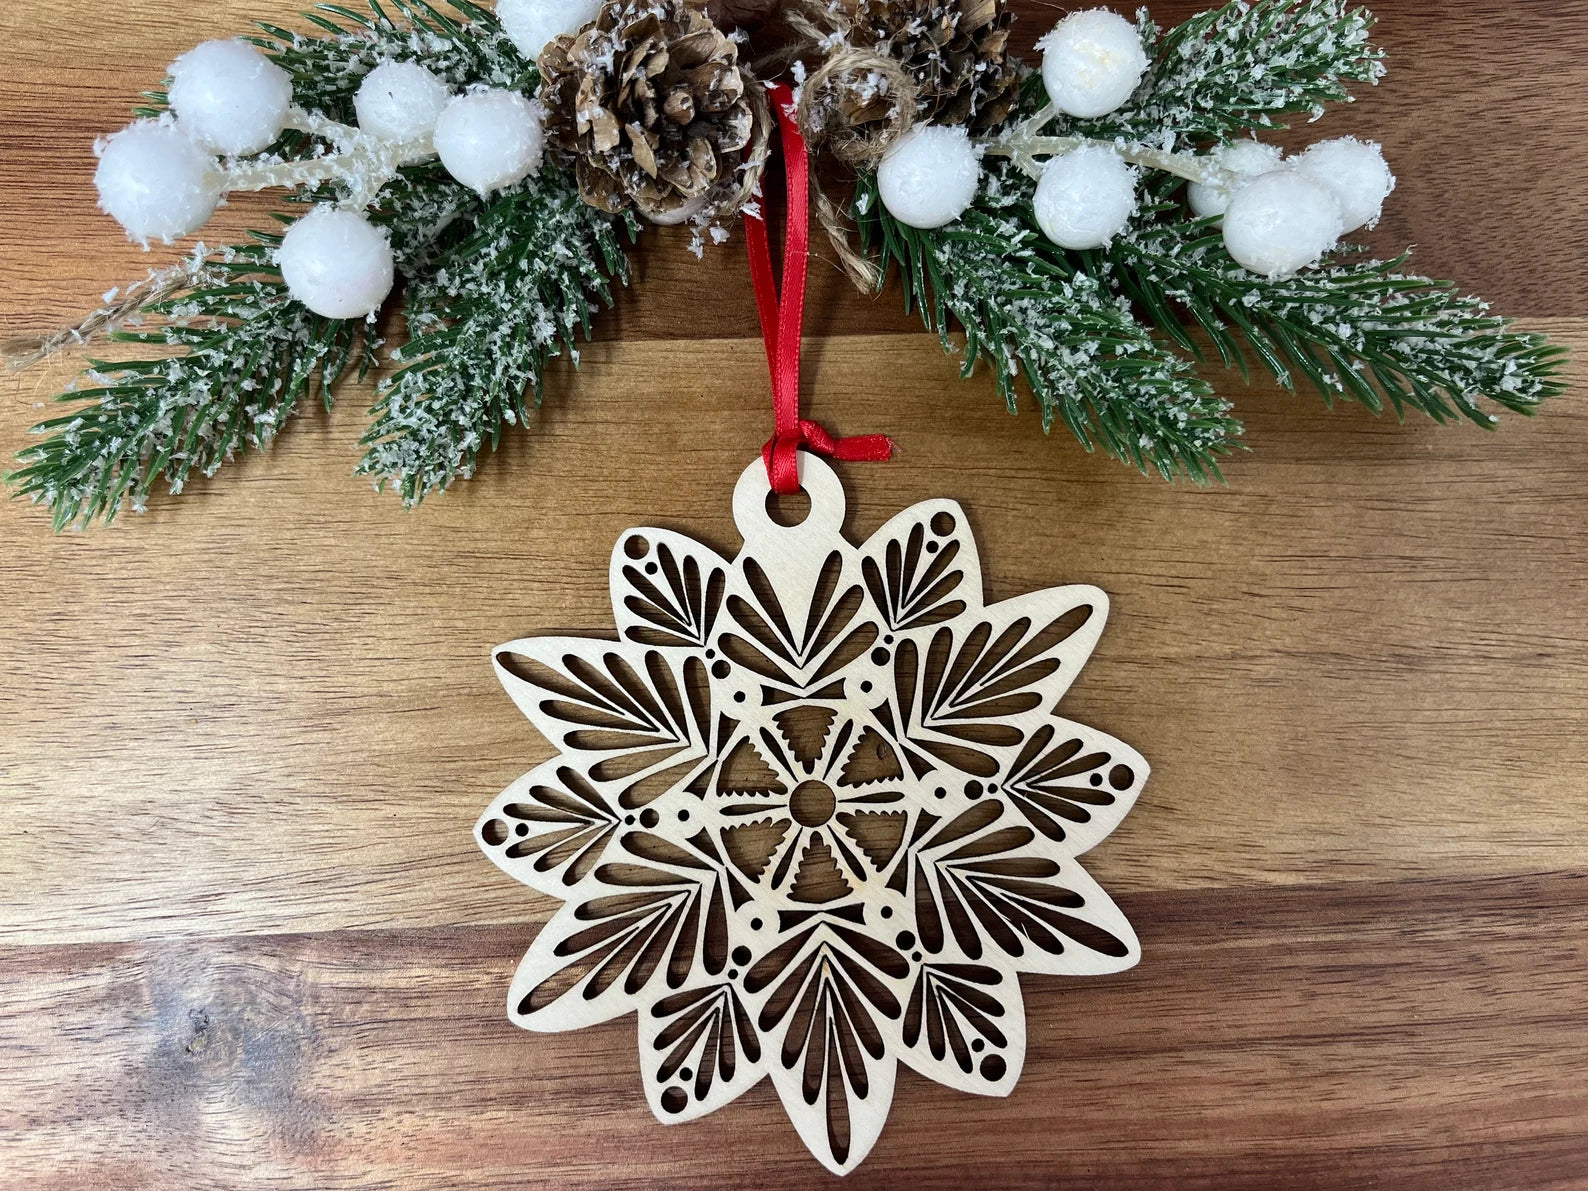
247, 940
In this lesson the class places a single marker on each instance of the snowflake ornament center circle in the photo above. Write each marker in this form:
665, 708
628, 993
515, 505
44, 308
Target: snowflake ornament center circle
813, 813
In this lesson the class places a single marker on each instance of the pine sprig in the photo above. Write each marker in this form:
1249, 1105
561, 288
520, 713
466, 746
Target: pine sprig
326, 70
1029, 311
1361, 330
517, 291
1244, 67
492, 290
246, 354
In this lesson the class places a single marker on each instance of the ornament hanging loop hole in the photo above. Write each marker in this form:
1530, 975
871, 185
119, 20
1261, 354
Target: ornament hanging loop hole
767, 517
788, 509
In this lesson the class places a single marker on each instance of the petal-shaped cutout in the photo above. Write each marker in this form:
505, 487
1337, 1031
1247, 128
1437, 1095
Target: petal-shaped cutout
833, 1021
628, 707
989, 888
636, 929
667, 589
551, 827
1007, 666
965, 1026
1074, 784
699, 1049
921, 567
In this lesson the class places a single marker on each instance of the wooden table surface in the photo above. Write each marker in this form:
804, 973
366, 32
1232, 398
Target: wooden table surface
247, 941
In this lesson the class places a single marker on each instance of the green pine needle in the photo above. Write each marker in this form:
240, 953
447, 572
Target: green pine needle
246, 354
1244, 67
520, 289
1362, 330
1028, 312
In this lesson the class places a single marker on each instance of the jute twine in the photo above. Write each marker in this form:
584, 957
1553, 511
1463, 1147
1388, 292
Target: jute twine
822, 117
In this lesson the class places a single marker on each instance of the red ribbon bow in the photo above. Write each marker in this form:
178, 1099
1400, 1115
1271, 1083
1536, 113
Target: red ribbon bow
781, 320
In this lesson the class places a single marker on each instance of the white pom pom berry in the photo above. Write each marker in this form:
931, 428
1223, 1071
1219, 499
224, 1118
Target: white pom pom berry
1246, 160
155, 182
1357, 174
1281, 223
1092, 62
530, 24
929, 175
337, 263
490, 139
400, 101
230, 97
1085, 197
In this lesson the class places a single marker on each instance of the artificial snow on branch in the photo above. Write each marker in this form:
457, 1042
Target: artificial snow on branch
1078, 223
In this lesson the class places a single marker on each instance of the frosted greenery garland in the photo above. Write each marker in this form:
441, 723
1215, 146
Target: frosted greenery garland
237, 354
494, 289
1363, 330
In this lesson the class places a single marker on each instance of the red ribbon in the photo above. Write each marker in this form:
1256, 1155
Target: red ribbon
781, 320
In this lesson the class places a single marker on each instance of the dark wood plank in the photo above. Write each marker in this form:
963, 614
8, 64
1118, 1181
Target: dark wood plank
1404, 1034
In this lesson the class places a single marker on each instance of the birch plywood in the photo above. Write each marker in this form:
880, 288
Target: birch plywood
249, 942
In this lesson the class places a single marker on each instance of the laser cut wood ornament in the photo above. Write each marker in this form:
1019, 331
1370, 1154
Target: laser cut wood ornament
813, 815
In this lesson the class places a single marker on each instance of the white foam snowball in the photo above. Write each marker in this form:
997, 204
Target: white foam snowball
929, 175
1357, 173
1085, 197
1281, 223
530, 24
155, 182
1246, 160
400, 101
490, 139
1092, 62
230, 97
337, 263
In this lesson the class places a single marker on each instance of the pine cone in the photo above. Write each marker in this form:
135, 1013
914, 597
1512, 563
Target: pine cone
955, 50
654, 109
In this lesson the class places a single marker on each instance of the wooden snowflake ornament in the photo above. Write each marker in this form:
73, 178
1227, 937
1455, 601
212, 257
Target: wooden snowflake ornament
813, 814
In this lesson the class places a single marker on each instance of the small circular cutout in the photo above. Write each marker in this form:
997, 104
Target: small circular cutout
650, 568
720, 669
906, 940
880, 657
649, 817
1096, 779
683, 816
686, 1074
756, 924
865, 686
788, 511
993, 1068
741, 955
521, 830
675, 1099
636, 546
973, 790
886, 911
494, 831
978, 1045
1121, 776
738, 696
943, 524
